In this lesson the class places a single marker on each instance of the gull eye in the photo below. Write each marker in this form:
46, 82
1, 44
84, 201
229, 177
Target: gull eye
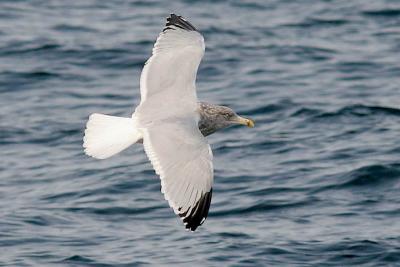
228, 115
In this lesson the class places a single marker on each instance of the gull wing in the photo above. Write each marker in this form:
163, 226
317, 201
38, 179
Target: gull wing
172, 68
182, 158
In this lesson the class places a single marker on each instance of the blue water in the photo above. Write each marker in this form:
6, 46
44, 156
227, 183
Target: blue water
315, 183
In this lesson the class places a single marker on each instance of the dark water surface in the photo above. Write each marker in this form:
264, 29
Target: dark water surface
316, 183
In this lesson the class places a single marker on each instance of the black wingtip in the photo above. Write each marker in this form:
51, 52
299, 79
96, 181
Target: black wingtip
179, 22
199, 213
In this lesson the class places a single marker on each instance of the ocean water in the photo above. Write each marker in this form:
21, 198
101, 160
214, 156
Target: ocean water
315, 183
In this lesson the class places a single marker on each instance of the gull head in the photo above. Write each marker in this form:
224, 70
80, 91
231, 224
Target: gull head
229, 117
214, 118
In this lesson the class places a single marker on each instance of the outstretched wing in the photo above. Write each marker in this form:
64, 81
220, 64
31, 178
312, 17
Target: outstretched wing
169, 121
172, 68
182, 158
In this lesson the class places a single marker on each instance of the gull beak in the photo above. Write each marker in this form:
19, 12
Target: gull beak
245, 121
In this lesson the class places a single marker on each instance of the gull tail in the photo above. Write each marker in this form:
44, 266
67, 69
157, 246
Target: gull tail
107, 135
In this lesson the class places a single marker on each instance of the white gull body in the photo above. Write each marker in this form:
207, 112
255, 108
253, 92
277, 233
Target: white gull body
167, 122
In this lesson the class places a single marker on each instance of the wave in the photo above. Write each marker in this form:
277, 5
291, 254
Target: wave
302, 52
113, 210
17, 81
318, 22
262, 207
54, 134
78, 260
23, 48
382, 13
357, 252
29, 75
128, 55
273, 190
357, 110
269, 108
73, 28
363, 110
371, 175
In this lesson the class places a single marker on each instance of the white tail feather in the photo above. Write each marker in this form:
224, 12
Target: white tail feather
107, 135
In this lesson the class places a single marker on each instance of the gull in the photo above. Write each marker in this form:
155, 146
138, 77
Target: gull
170, 122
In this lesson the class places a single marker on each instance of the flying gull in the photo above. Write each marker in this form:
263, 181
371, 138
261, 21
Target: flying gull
170, 122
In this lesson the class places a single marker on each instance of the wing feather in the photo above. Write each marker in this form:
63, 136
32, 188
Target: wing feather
172, 68
184, 165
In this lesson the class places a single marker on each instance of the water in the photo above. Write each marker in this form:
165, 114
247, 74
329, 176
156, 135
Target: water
316, 183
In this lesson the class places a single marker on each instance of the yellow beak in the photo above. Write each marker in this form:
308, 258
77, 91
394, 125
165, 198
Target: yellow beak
245, 121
